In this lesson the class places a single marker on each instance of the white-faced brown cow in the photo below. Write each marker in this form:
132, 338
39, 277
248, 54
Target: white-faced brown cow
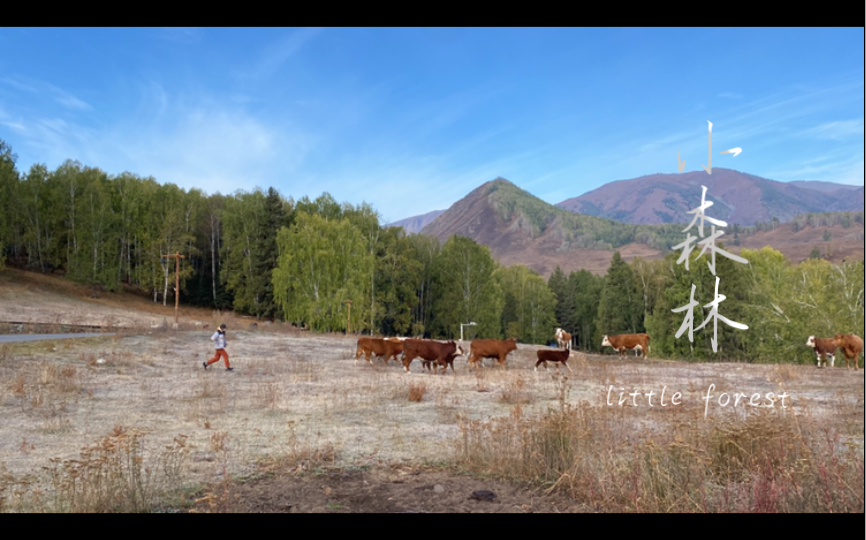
490, 348
852, 346
823, 348
624, 342
553, 355
563, 338
387, 348
433, 351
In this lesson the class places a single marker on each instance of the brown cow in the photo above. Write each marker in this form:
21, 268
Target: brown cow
449, 361
380, 347
823, 348
433, 351
491, 348
851, 346
553, 355
563, 338
623, 342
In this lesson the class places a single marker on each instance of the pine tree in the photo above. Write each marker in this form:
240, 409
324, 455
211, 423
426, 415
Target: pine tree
620, 309
265, 254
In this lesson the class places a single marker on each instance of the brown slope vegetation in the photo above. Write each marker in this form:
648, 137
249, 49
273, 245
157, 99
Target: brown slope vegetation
739, 198
844, 244
521, 229
35, 298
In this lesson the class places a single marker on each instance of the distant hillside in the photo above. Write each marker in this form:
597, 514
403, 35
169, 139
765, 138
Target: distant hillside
520, 228
738, 198
837, 235
414, 224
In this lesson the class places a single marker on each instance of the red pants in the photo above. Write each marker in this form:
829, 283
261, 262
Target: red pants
216, 357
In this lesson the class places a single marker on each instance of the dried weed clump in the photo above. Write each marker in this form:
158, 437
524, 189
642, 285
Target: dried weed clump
63, 379
516, 393
417, 391
764, 462
110, 475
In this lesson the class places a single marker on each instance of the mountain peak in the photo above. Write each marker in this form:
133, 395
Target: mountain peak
738, 198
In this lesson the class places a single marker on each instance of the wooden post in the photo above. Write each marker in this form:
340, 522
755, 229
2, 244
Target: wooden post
177, 257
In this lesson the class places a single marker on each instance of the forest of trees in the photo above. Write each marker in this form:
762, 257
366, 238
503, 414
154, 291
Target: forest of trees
261, 254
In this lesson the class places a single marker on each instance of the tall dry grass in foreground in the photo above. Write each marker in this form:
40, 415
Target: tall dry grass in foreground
114, 474
763, 462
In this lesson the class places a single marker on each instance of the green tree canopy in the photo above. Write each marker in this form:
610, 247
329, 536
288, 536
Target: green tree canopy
322, 263
529, 304
620, 308
467, 292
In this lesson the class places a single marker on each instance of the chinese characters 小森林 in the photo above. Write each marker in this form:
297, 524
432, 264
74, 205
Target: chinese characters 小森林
708, 243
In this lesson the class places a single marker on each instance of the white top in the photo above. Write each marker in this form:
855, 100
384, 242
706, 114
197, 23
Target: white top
220, 338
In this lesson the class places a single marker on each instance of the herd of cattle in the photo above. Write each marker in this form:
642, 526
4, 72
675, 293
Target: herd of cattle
441, 354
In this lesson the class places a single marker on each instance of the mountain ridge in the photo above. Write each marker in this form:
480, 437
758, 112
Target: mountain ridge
738, 197
520, 228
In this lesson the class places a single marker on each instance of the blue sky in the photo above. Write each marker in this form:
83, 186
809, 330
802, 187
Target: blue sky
411, 120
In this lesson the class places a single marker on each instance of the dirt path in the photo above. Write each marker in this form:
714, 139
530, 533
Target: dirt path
383, 490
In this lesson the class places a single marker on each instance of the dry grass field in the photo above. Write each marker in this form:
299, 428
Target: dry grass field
133, 422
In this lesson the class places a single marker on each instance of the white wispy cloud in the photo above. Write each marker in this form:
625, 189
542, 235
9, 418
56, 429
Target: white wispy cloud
42, 88
275, 55
838, 130
835, 167
192, 140
15, 125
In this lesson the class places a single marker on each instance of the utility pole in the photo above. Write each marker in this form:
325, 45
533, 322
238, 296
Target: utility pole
177, 257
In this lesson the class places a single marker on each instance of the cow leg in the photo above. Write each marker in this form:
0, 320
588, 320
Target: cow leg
832, 360
565, 363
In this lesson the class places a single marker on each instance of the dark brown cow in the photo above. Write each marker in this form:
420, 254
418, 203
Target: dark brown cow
449, 361
851, 346
623, 342
491, 348
553, 355
823, 348
380, 347
432, 351
563, 338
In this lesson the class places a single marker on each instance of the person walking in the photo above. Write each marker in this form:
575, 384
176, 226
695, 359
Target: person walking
220, 338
